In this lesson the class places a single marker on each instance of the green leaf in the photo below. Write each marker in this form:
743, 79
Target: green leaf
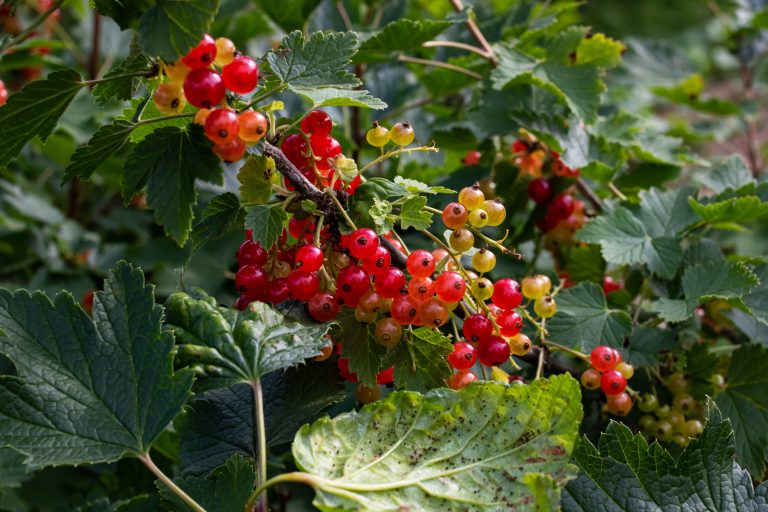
337, 97
242, 346
584, 320
122, 88
700, 365
105, 142
445, 450
266, 221
403, 35
688, 93
420, 360
289, 16
745, 402
757, 299
417, 187
584, 263
734, 209
168, 162
730, 173
624, 473
413, 215
665, 213
578, 86
381, 215
366, 356
219, 214
124, 12
35, 111
219, 422
87, 390
226, 490
599, 50
12, 470
171, 28
255, 177
646, 343
144, 108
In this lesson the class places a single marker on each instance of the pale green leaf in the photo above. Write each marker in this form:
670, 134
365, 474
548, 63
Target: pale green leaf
413, 213
599, 50
337, 97
730, 173
417, 187
291, 15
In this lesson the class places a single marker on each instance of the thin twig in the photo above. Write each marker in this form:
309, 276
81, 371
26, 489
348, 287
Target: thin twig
618, 193
178, 491
438, 64
456, 44
258, 405
587, 192
477, 34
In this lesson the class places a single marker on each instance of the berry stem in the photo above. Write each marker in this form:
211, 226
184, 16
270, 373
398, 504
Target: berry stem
439, 64
458, 6
296, 477
496, 243
456, 261
397, 237
31, 28
340, 208
571, 351
540, 365
456, 44
264, 95
618, 193
149, 73
178, 491
395, 152
162, 118
258, 402
587, 192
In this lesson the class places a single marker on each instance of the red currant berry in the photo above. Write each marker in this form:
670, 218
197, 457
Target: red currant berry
202, 55
388, 332
277, 291
295, 149
561, 207
325, 148
421, 289
242, 75
242, 302
363, 243
510, 323
385, 377
463, 356
303, 285
590, 379
507, 294
353, 281
620, 404
519, 146
3, 94
253, 125
298, 227
390, 283
450, 286
379, 262
455, 215
433, 313
420, 263
461, 379
609, 285
222, 125
472, 158
323, 307
547, 223
492, 351
309, 258
476, 327
250, 279
613, 382
404, 309
204, 88
317, 123
343, 365
230, 152
604, 358
540, 190
251, 253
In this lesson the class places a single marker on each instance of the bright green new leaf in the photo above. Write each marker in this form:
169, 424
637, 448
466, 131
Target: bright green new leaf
238, 346
225, 490
255, 177
733, 209
745, 402
584, 320
219, 214
381, 215
35, 111
625, 474
167, 162
599, 50
105, 142
266, 221
417, 187
87, 390
413, 215
420, 360
171, 28
473, 449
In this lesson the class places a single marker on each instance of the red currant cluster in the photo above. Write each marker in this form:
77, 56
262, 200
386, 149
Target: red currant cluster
314, 152
3, 94
610, 374
195, 78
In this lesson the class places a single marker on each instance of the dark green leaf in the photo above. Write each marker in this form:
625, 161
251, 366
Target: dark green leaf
87, 390
122, 88
105, 142
35, 111
12, 470
171, 28
626, 474
399, 36
482, 448
584, 320
366, 356
219, 214
700, 365
646, 343
266, 221
757, 299
584, 263
420, 360
124, 12
168, 162
289, 16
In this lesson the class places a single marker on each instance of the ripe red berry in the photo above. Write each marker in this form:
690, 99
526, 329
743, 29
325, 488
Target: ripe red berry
510, 323
463, 356
251, 279
363, 243
295, 149
230, 152
420, 263
390, 283
609, 285
492, 350
450, 286
613, 382
242, 75
323, 307
378, 262
317, 123
251, 253
242, 302
561, 207
303, 285
421, 288
253, 125
3, 94
455, 215
540, 190
343, 365
204, 88
404, 309
352, 281
309, 258
277, 291
324, 147
472, 158
460, 379
202, 55
433, 313
604, 358
507, 294
477, 326
222, 125
385, 377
